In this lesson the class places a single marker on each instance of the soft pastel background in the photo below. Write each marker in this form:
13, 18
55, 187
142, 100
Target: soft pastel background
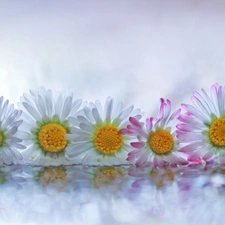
135, 51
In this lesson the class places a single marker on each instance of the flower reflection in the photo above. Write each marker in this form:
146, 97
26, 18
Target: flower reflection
108, 176
96, 195
46, 179
54, 177
163, 176
190, 177
11, 176
101, 180
159, 177
200, 194
2, 176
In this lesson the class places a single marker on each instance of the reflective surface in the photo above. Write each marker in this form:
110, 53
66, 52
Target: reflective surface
112, 195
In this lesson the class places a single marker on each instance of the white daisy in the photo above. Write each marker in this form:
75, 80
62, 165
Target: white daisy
202, 127
157, 143
10, 146
45, 125
96, 139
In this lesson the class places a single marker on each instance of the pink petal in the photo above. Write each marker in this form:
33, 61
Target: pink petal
190, 148
161, 109
137, 144
175, 114
186, 127
149, 123
135, 152
141, 160
125, 131
131, 158
185, 118
201, 104
208, 156
175, 159
181, 161
193, 111
192, 121
158, 162
167, 109
188, 137
216, 85
135, 122
138, 183
194, 159
222, 161
169, 103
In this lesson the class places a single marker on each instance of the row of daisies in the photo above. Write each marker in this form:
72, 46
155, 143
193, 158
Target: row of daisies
55, 129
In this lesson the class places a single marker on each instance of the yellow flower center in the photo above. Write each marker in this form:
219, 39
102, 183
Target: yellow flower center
106, 177
161, 141
217, 132
51, 137
107, 139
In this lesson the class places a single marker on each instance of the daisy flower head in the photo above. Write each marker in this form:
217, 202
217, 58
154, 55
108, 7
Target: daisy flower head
202, 127
96, 137
45, 125
10, 144
157, 143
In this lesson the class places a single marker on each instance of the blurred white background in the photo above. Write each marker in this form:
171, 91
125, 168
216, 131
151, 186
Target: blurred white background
135, 51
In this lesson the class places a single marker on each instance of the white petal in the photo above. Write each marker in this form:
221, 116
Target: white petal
41, 106
96, 116
88, 114
66, 108
33, 112
76, 149
117, 109
108, 110
75, 106
87, 128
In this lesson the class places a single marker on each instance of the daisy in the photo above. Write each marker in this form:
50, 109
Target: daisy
96, 137
10, 146
45, 126
202, 126
157, 142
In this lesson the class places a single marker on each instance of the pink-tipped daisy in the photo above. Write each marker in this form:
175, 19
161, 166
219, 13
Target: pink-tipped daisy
45, 125
157, 143
96, 138
202, 126
10, 143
